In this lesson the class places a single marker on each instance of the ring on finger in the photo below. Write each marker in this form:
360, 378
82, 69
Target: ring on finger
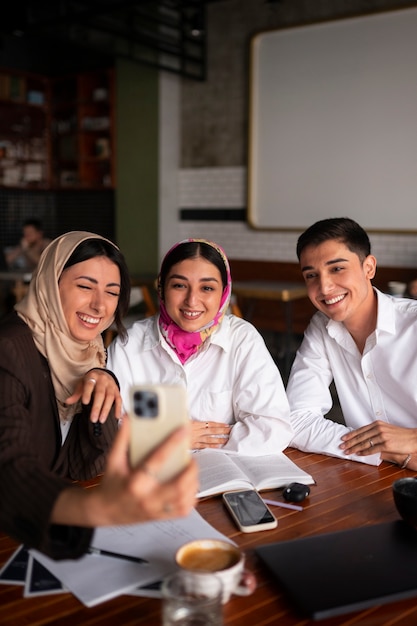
206, 424
91, 380
371, 443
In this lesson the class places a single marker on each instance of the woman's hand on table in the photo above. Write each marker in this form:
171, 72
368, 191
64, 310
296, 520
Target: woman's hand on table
209, 434
102, 387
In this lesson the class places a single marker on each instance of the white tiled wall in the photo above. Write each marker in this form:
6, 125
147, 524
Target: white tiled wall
226, 188
212, 187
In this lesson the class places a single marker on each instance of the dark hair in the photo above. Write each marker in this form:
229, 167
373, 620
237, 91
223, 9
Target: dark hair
191, 250
91, 248
341, 229
32, 221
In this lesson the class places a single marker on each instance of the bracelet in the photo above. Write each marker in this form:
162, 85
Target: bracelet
406, 462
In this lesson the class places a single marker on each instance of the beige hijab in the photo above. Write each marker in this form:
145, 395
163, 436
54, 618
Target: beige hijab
41, 309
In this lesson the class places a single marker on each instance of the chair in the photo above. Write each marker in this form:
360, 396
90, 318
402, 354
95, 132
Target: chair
234, 307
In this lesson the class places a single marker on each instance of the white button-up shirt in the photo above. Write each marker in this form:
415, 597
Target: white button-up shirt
232, 379
380, 384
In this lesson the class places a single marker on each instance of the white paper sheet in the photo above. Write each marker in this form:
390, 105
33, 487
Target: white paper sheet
94, 579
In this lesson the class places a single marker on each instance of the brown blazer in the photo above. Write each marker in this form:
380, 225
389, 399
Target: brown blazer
34, 466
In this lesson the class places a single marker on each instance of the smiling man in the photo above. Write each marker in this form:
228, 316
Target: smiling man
365, 342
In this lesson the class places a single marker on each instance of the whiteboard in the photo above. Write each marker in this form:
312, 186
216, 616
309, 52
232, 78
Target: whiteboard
333, 124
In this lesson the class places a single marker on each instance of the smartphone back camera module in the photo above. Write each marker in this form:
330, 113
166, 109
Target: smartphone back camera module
145, 404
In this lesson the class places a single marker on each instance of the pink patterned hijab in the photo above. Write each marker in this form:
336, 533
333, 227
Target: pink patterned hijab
183, 342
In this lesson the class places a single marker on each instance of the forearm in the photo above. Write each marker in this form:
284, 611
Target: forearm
129, 498
110, 503
321, 435
76, 506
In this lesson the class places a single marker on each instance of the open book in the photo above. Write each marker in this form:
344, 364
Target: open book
220, 472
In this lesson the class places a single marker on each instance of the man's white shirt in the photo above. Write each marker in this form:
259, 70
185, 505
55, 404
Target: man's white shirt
380, 384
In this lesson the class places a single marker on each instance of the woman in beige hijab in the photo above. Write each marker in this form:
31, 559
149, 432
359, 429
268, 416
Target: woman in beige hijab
59, 407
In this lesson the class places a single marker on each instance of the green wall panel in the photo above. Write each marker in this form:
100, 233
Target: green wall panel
137, 165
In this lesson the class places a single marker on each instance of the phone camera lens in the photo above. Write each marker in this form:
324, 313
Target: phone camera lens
152, 404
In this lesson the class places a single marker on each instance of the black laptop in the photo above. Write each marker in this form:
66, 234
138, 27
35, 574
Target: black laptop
336, 573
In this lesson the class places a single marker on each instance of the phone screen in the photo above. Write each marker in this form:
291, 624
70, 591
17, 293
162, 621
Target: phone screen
249, 508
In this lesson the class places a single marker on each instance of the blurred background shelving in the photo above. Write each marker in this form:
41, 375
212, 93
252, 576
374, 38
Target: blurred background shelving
57, 132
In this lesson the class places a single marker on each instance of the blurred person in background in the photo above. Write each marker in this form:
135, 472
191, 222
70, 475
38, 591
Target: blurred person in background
26, 255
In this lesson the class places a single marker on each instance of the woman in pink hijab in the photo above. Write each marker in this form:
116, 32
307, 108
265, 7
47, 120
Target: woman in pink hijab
236, 396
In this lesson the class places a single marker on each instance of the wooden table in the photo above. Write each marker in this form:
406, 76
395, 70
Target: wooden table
347, 495
13, 275
284, 292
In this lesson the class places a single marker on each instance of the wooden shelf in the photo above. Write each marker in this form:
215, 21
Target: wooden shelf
67, 122
24, 148
82, 113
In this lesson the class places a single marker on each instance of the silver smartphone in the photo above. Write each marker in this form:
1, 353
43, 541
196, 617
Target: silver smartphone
249, 511
155, 412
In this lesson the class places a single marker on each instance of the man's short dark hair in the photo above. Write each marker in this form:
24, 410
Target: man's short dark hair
341, 229
33, 221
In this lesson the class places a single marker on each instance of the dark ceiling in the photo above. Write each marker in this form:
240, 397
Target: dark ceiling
169, 34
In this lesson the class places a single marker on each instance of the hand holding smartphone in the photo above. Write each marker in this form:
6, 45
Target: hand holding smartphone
249, 511
155, 412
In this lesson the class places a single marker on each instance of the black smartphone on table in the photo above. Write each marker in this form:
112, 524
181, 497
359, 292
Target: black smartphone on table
249, 511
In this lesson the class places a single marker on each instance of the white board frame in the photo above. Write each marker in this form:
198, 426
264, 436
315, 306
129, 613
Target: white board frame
333, 124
